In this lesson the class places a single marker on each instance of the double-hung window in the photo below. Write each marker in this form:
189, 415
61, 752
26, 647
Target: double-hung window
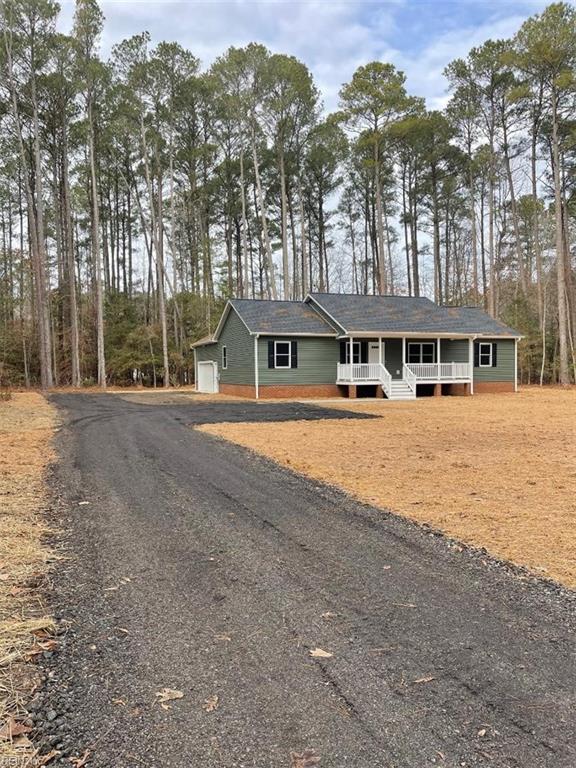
485, 355
421, 352
282, 354
224, 358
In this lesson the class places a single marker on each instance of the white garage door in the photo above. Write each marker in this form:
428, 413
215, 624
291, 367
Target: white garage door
207, 377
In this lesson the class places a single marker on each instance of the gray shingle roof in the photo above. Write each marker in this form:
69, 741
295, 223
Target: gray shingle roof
204, 342
475, 320
295, 317
404, 314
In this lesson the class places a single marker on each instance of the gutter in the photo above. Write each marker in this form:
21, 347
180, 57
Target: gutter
256, 380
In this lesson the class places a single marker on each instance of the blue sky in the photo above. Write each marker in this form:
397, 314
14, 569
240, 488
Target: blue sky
333, 38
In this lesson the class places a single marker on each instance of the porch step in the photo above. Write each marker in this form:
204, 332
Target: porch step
401, 391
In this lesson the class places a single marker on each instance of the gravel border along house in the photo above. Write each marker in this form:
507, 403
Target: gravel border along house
332, 345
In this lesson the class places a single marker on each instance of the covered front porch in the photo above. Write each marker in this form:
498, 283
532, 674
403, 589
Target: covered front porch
400, 364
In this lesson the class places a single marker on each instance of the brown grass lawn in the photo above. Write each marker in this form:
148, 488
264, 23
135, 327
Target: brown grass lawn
497, 471
27, 424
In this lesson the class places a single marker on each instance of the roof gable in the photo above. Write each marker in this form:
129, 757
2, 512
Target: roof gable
281, 317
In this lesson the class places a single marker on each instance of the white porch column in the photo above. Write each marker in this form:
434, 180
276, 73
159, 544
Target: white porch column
351, 357
438, 355
380, 350
515, 365
471, 364
403, 353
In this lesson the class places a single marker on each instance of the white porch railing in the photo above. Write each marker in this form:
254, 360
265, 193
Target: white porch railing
385, 379
359, 371
409, 377
440, 371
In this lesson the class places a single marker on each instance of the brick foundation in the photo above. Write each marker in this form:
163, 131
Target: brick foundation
486, 387
318, 391
283, 391
296, 391
238, 390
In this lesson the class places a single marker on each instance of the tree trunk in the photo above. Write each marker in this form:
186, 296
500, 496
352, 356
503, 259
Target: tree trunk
69, 245
245, 257
284, 230
268, 264
382, 277
35, 232
96, 261
160, 282
514, 210
303, 241
563, 371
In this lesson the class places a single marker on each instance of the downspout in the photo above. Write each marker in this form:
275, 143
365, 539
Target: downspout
195, 370
256, 380
471, 362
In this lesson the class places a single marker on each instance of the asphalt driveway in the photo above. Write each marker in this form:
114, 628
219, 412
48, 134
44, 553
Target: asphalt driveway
196, 566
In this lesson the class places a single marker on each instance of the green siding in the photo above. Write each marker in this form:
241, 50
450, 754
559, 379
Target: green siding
239, 348
393, 357
504, 370
317, 359
454, 351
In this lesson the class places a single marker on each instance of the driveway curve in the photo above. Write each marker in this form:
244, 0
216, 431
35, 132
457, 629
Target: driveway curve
288, 615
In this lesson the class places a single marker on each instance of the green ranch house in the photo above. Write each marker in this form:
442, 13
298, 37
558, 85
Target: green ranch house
340, 345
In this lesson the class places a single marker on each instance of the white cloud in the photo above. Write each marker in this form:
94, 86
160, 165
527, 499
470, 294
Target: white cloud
332, 38
424, 70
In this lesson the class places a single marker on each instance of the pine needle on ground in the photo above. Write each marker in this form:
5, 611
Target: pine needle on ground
27, 424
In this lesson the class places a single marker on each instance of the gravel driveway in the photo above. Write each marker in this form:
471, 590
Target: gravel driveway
198, 567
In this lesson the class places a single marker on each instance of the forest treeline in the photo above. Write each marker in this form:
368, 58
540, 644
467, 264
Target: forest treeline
137, 193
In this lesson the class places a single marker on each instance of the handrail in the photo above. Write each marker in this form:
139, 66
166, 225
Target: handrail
409, 377
385, 379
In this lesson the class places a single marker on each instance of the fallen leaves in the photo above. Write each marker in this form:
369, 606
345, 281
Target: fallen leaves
80, 762
40, 647
305, 759
319, 653
13, 728
211, 704
47, 758
168, 694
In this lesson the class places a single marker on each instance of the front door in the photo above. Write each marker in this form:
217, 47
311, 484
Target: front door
374, 352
